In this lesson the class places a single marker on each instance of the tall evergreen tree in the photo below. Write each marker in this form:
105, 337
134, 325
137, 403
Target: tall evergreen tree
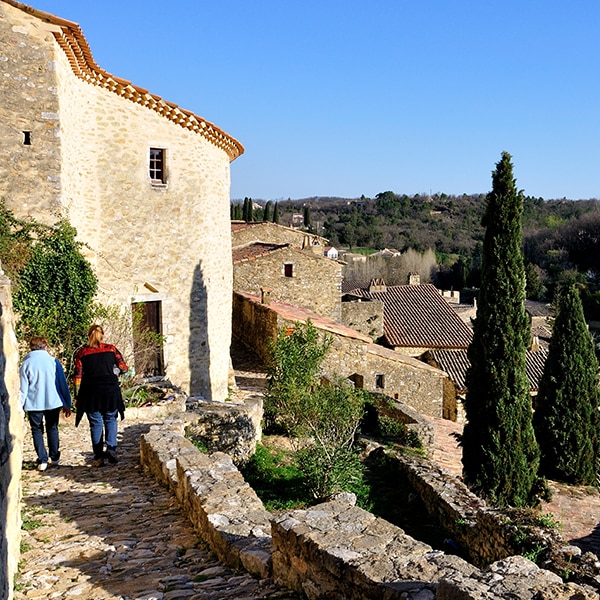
500, 452
245, 210
566, 419
307, 222
276, 213
267, 212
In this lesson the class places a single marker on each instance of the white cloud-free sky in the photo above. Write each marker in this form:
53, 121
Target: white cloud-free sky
351, 97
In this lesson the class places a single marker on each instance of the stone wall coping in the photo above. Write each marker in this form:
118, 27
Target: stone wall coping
333, 550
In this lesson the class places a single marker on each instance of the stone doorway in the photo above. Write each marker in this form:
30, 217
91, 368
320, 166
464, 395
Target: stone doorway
147, 338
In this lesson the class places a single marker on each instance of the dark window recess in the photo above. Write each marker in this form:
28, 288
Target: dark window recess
147, 338
27, 138
157, 165
380, 381
357, 380
288, 270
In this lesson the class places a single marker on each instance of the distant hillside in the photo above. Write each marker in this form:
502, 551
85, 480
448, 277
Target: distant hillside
561, 238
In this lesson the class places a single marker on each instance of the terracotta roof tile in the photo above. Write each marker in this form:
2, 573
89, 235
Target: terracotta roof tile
72, 41
456, 362
254, 251
417, 316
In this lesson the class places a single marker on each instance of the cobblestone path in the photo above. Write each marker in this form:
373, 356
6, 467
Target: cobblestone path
108, 533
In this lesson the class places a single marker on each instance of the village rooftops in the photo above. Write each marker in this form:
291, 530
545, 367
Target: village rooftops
70, 38
416, 316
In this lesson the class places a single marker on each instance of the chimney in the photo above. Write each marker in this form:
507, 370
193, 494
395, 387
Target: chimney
414, 279
535, 344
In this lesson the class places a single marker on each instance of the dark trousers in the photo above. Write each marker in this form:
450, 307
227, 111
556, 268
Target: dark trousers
36, 421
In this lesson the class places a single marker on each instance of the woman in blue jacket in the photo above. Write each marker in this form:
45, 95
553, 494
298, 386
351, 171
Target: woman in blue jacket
44, 393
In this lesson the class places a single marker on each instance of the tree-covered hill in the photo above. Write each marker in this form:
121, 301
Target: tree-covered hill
561, 238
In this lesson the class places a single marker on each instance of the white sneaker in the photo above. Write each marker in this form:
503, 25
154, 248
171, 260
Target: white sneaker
42, 466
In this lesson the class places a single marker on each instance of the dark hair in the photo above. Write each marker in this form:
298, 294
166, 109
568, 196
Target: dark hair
38, 342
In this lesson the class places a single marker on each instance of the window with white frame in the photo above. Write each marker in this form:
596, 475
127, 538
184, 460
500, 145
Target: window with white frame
156, 166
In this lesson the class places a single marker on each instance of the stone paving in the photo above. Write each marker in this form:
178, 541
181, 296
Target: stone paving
113, 533
576, 508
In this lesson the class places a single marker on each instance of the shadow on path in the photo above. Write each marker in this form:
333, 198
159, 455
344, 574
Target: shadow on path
112, 532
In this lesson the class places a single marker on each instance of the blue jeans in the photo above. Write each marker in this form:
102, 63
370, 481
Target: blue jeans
36, 421
101, 424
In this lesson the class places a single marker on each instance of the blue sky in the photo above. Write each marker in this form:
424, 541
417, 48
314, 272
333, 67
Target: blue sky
349, 97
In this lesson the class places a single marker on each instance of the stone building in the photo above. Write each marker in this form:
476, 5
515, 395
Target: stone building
145, 182
352, 355
243, 233
299, 277
415, 317
11, 444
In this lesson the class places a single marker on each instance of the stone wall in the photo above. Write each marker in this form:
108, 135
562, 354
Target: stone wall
29, 173
315, 284
366, 317
352, 355
223, 508
88, 159
11, 444
332, 551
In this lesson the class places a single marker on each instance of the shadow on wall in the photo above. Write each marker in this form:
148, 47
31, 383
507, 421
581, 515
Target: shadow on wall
199, 349
6, 448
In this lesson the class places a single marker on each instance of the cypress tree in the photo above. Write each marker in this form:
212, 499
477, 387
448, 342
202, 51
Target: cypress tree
267, 212
307, 222
245, 210
276, 213
566, 418
500, 452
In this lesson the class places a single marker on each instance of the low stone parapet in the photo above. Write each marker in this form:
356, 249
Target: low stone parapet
335, 550
223, 508
339, 552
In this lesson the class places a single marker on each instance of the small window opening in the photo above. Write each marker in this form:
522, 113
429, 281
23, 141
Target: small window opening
156, 167
380, 381
288, 270
27, 138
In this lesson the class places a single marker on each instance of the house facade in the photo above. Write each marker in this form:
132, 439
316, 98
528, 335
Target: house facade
352, 355
287, 274
145, 183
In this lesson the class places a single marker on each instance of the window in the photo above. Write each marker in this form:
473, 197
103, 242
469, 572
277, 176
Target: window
288, 270
156, 167
380, 381
27, 138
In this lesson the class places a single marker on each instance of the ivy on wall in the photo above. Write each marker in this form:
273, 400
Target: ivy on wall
53, 283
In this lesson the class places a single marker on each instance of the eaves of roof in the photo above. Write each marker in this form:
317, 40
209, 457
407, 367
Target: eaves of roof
72, 41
